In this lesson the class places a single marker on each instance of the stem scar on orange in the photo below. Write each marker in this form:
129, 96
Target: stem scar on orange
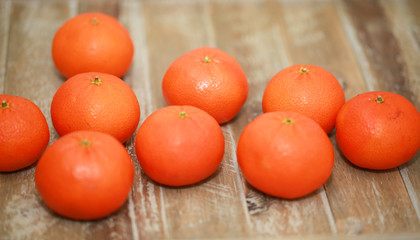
307, 89
285, 154
85, 175
378, 130
179, 145
96, 101
24, 133
92, 42
207, 78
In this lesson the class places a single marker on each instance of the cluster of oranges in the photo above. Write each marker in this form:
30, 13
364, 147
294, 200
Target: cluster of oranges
88, 173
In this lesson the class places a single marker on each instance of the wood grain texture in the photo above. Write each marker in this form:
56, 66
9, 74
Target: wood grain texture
380, 203
212, 208
4, 34
269, 216
30, 67
404, 23
367, 45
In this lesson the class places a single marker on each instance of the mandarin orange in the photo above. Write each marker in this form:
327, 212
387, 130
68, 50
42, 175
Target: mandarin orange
307, 89
207, 78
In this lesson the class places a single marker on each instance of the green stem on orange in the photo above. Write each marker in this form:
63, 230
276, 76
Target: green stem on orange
206, 59
4, 104
182, 114
94, 21
380, 99
303, 70
96, 81
85, 143
288, 121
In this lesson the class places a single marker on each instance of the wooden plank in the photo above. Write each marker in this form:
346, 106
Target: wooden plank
378, 201
146, 202
4, 33
259, 48
110, 7
215, 207
31, 74
404, 22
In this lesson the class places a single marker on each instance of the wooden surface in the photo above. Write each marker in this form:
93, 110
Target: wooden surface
366, 44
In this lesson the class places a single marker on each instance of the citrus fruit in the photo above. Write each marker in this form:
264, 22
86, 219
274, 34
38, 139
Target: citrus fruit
96, 101
306, 89
84, 175
92, 42
378, 130
24, 133
285, 154
179, 145
207, 78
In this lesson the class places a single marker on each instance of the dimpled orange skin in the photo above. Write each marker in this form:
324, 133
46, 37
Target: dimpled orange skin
378, 135
207, 78
85, 175
179, 145
109, 106
285, 154
92, 42
307, 89
24, 133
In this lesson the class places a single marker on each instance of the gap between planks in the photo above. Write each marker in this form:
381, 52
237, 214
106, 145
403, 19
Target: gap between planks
5, 7
369, 79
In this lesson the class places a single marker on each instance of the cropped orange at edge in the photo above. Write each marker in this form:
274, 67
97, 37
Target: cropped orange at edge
207, 78
24, 133
307, 89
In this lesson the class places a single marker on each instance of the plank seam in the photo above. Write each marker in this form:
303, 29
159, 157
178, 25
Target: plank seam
328, 210
410, 189
360, 56
212, 41
7, 7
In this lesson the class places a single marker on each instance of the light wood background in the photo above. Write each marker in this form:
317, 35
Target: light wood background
366, 44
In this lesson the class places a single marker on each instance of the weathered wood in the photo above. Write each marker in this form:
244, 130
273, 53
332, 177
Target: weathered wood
404, 22
256, 42
110, 7
4, 33
146, 207
373, 201
216, 206
31, 73
367, 45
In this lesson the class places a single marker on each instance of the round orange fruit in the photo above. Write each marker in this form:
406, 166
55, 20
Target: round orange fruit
378, 130
85, 175
306, 89
207, 78
92, 42
24, 133
285, 154
96, 101
179, 145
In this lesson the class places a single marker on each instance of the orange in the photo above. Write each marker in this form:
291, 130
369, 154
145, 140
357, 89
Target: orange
285, 154
24, 133
207, 78
306, 89
378, 130
85, 175
92, 42
95, 101
179, 145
